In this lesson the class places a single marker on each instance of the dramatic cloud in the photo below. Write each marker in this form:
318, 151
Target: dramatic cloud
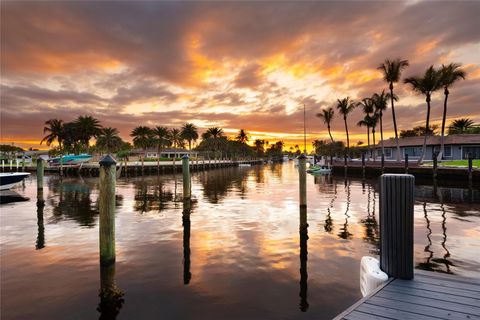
237, 65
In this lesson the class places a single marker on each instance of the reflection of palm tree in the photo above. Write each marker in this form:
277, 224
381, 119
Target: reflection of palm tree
344, 233
186, 241
445, 260
328, 221
427, 265
111, 297
371, 225
303, 259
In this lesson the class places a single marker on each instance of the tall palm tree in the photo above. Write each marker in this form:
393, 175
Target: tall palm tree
109, 140
367, 107
88, 127
213, 135
392, 70
162, 140
449, 75
242, 136
54, 127
327, 116
142, 138
189, 133
345, 106
425, 85
373, 120
380, 102
177, 141
365, 122
460, 126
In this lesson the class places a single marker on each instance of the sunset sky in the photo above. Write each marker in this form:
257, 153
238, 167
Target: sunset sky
235, 65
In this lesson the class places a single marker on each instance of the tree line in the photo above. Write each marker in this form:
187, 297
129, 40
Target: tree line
376, 105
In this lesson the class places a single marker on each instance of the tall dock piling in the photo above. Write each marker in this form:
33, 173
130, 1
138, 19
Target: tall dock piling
396, 225
303, 228
383, 162
107, 210
186, 177
187, 275
363, 163
302, 176
40, 172
435, 164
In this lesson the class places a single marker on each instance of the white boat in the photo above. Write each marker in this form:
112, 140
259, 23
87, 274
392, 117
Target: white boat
10, 179
244, 165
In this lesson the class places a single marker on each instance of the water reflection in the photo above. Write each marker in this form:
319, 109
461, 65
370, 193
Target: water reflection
371, 229
303, 259
9, 196
152, 194
329, 221
344, 233
187, 275
73, 201
40, 243
217, 183
111, 297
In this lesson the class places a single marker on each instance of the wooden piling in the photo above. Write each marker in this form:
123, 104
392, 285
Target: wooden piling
107, 210
40, 172
396, 225
187, 275
302, 176
186, 177
40, 243
363, 163
435, 154
470, 167
303, 260
383, 163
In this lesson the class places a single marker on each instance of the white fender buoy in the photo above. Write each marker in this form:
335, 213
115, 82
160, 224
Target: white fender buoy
371, 276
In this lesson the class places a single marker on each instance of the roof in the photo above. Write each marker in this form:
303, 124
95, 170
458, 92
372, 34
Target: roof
453, 139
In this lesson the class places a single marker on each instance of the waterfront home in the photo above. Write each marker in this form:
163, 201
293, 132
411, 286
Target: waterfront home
152, 153
457, 147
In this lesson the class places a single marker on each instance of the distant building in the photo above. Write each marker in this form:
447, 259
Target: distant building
152, 153
457, 147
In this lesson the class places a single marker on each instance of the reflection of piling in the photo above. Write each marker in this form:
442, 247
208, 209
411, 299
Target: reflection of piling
406, 163
3, 165
363, 163
383, 163
302, 174
470, 167
303, 259
396, 225
40, 172
107, 210
23, 163
186, 241
186, 177
41, 229
111, 297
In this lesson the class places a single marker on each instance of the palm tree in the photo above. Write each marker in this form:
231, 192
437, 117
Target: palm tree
449, 75
460, 126
345, 106
88, 127
54, 127
392, 70
327, 116
142, 138
425, 85
177, 141
189, 133
367, 107
380, 104
373, 120
161, 137
109, 140
213, 135
242, 136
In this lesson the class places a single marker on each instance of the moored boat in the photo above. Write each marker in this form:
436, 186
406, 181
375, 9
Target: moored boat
70, 159
10, 179
319, 169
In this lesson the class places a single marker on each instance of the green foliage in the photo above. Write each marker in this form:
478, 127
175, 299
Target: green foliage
419, 131
463, 126
9, 148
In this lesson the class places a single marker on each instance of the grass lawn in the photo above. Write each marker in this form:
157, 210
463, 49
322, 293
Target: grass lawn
456, 163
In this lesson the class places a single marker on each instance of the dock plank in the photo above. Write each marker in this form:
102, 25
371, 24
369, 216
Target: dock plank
428, 296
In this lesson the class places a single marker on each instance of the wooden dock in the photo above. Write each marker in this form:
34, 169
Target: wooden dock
428, 296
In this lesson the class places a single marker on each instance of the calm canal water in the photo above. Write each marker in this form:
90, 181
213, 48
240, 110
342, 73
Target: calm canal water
244, 252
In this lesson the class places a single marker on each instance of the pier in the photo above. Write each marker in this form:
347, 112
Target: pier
428, 296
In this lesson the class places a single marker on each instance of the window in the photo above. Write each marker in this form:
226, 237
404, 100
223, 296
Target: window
412, 151
475, 151
388, 152
447, 151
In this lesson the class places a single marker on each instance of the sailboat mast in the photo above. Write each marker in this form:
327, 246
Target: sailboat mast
304, 132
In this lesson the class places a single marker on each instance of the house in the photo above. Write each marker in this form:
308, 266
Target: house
457, 147
152, 153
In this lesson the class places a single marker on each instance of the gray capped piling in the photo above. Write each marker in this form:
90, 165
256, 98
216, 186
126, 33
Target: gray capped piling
406, 163
186, 177
396, 225
302, 178
107, 210
40, 172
